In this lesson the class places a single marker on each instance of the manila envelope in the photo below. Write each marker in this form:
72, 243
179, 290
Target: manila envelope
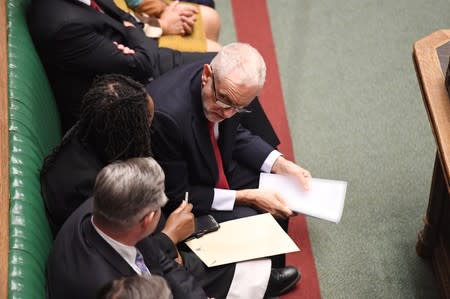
243, 239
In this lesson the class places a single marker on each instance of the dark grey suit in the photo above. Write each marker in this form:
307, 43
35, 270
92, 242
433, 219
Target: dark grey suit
75, 44
68, 181
81, 262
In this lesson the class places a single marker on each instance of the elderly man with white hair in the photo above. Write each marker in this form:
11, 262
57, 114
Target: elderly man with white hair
204, 150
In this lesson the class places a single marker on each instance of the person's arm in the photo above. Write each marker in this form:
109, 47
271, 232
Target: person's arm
180, 224
79, 47
254, 152
181, 282
174, 18
271, 201
177, 227
285, 167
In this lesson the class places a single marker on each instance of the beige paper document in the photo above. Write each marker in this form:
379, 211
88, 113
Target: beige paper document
324, 200
242, 239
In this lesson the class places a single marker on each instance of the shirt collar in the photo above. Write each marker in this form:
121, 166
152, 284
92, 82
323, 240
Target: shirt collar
128, 253
87, 2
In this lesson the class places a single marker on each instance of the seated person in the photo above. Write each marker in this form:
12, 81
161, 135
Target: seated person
199, 142
136, 287
80, 39
189, 28
106, 237
115, 125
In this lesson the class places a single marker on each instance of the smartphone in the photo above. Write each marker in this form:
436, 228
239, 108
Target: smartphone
203, 225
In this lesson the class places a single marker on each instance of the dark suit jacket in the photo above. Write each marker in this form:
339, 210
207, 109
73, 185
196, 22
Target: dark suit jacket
181, 143
81, 262
69, 180
75, 43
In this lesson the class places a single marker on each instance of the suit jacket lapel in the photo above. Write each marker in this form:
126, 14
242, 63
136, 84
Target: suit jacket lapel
201, 135
94, 240
226, 140
113, 14
200, 125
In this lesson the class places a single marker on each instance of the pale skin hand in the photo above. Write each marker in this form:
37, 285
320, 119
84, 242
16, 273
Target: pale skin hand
128, 24
286, 167
264, 200
180, 224
122, 48
272, 202
171, 21
188, 17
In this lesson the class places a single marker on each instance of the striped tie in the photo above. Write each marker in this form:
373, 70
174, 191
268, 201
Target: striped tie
141, 264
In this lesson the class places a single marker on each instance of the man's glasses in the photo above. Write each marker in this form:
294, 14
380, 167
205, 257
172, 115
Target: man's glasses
223, 103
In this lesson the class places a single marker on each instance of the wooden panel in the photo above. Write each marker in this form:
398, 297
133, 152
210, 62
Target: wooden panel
431, 58
435, 96
4, 150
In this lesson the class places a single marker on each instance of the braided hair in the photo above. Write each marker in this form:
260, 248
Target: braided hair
115, 120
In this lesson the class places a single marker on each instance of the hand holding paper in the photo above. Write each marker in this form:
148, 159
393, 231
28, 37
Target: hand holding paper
324, 200
289, 168
264, 200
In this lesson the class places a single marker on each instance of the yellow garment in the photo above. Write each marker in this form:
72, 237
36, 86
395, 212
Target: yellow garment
196, 42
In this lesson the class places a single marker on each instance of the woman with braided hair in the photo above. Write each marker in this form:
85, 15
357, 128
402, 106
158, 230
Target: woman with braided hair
115, 122
114, 125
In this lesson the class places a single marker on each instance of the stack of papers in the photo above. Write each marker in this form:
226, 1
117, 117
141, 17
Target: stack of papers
324, 200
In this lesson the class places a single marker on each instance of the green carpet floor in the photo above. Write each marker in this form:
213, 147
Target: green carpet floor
356, 114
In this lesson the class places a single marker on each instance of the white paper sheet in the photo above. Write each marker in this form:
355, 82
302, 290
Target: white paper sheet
324, 200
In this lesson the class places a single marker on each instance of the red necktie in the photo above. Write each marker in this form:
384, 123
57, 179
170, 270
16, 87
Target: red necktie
95, 6
222, 182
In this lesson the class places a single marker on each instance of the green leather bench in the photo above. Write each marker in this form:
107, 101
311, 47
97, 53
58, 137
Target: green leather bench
33, 131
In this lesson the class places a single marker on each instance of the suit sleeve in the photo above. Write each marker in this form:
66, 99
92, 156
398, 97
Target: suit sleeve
181, 282
168, 148
249, 149
80, 47
166, 245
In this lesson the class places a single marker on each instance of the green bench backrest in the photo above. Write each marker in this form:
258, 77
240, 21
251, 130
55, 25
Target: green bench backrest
33, 132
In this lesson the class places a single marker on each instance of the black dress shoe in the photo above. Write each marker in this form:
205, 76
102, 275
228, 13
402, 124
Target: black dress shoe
281, 281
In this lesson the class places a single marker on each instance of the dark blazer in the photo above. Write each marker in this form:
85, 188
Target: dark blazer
75, 43
67, 180
81, 262
181, 143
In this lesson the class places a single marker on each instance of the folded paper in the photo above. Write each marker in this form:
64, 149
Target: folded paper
324, 200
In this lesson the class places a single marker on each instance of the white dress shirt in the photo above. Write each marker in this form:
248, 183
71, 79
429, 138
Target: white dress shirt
224, 199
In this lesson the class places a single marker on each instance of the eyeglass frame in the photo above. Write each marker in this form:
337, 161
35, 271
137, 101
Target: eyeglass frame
221, 103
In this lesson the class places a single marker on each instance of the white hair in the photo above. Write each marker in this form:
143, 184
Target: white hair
241, 59
125, 191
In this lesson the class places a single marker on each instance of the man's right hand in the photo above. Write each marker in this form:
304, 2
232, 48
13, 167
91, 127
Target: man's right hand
180, 224
264, 200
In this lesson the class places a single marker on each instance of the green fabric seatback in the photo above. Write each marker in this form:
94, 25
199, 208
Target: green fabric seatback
34, 130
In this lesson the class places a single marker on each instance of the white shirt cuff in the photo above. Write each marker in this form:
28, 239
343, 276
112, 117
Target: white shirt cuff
242, 287
223, 199
268, 163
